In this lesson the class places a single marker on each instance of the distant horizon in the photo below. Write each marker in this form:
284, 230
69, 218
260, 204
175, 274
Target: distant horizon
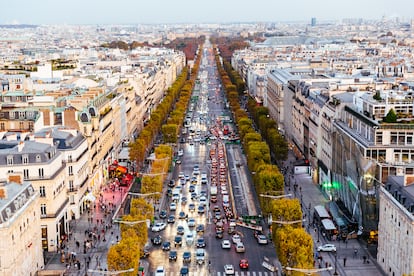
154, 12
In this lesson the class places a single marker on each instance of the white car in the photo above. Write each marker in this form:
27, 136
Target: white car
173, 206
203, 175
160, 271
180, 152
327, 248
229, 269
181, 175
189, 238
191, 222
159, 226
236, 238
261, 239
225, 244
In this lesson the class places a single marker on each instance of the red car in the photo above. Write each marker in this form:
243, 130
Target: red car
244, 264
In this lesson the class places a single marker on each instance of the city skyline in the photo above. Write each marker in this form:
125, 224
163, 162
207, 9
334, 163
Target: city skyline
186, 11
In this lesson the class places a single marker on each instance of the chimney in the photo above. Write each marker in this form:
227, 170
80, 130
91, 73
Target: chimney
15, 177
20, 146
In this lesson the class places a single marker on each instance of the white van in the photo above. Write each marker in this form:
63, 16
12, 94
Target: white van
226, 201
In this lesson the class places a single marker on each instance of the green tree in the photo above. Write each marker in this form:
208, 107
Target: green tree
391, 116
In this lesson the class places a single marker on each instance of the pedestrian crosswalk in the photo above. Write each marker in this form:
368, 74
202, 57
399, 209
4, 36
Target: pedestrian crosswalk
249, 273
237, 273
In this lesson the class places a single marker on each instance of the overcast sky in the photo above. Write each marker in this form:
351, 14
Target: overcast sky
196, 11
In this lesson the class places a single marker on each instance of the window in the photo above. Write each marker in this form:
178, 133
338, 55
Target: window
25, 159
42, 191
26, 174
71, 188
9, 160
41, 173
43, 209
2, 126
70, 170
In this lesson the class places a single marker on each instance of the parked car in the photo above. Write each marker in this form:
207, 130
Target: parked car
327, 248
159, 226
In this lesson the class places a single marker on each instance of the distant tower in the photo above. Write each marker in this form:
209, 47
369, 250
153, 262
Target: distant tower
313, 21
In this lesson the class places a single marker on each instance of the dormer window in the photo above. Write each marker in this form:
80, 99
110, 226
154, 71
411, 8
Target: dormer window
25, 159
10, 160
38, 158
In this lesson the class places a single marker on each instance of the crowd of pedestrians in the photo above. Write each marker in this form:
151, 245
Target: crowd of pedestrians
86, 247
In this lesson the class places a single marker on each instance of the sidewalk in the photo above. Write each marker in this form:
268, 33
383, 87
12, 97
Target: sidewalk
91, 235
310, 195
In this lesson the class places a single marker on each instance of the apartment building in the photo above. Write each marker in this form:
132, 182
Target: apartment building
74, 148
396, 232
21, 250
39, 161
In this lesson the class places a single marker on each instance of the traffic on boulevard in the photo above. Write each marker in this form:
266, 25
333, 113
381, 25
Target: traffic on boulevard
208, 222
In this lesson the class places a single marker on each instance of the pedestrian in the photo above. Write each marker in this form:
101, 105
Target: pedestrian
344, 261
364, 259
355, 253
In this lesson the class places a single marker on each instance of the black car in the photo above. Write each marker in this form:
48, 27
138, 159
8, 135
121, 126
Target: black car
187, 257
157, 240
180, 230
184, 271
200, 228
171, 183
182, 215
219, 234
178, 240
163, 214
183, 200
201, 242
166, 246
191, 188
171, 219
145, 253
172, 256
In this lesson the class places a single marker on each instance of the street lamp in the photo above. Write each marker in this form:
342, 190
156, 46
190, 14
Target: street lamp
336, 260
308, 271
114, 272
